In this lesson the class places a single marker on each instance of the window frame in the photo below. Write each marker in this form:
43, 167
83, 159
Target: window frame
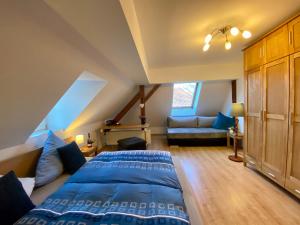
193, 100
192, 110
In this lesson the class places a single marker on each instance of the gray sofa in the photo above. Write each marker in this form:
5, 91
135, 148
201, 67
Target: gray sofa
194, 130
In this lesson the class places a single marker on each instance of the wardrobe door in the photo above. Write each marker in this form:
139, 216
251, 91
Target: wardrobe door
294, 35
293, 162
253, 125
277, 44
254, 56
275, 125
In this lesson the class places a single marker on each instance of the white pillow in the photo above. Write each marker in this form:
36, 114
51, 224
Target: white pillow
27, 183
88, 158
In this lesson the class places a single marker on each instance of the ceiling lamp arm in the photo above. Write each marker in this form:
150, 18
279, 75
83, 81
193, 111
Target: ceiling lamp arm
228, 29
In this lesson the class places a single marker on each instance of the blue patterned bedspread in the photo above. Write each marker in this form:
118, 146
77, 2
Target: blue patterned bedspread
117, 188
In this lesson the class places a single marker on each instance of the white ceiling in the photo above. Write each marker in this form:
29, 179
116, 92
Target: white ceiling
103, 24
162, 40
173, 30
172, 33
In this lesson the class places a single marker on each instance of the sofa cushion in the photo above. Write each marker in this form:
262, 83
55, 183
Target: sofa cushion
178, 121
223, 122
206, 121
191, 133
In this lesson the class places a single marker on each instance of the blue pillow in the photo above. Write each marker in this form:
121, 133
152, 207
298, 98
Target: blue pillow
15, 203
223, 122
71, 157
49, 166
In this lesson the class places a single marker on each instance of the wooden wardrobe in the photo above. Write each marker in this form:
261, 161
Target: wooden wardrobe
272, 102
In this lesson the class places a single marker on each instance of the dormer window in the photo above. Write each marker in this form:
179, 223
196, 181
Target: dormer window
74, 101
185, 99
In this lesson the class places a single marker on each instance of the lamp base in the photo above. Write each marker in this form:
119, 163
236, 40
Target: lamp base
235, 158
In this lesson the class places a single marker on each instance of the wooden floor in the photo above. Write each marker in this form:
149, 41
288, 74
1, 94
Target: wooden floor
219, 191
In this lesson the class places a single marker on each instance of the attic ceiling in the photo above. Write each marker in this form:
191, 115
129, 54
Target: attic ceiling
48, 43
103, 24
160, 41
173, 30
172, 33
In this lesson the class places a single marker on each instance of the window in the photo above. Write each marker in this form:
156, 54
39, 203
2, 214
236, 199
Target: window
184, 95
72, 103
185, 99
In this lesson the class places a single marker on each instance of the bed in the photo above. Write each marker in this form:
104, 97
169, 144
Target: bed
117, 188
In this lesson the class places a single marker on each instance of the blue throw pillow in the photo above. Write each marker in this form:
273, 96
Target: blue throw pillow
71, 157
15, 203
223, 122
49, 166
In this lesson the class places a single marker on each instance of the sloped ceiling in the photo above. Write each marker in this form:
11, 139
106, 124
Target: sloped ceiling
42, 56
171, 33
103, 24
46, 45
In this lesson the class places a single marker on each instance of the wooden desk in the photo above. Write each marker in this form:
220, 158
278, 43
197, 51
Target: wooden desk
126, 127
110, 134
89, 151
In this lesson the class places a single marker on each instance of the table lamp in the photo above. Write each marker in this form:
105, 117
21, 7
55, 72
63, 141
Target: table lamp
79, 139
237, 110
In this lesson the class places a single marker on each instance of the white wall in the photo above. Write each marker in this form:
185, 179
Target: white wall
158, 107
42, 56
213, 96
240, 89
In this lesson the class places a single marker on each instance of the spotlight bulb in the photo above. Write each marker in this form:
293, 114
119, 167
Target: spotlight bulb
246, 34
208, 38
234, 31
227, 45
206, 47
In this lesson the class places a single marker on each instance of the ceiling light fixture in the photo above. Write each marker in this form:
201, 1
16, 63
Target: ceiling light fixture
206, 47
234, 31
227, 44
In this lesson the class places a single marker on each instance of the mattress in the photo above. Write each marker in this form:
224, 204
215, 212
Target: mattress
124, 188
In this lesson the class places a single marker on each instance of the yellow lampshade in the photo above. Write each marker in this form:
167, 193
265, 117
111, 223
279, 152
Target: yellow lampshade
79, 139
237, 109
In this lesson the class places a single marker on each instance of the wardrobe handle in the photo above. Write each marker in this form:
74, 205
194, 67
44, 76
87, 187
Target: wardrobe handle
291, 118
264, 115
261, 115
290, 38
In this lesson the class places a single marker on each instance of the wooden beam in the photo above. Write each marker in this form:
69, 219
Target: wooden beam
142, 104
126, 108
133, 101
153, 90
233, 90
